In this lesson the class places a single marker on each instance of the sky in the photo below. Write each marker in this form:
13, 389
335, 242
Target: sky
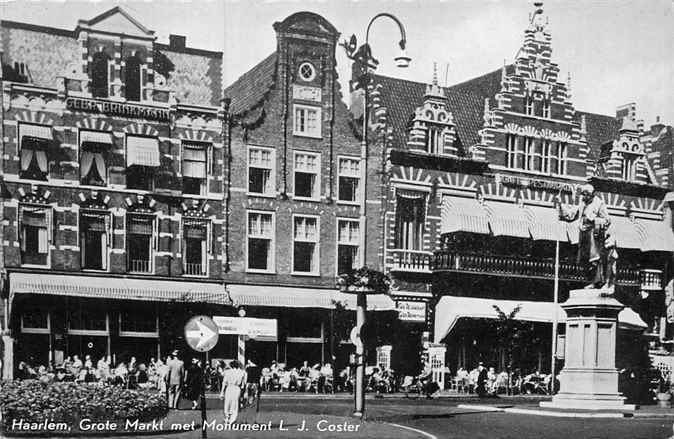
617, 51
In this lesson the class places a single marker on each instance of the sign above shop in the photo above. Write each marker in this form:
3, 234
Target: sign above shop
117, 109
252, 327
535, 183
410, 311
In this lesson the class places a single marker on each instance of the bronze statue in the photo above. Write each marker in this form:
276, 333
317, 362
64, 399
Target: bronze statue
596, 245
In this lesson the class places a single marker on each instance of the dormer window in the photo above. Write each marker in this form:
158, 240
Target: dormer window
629, 167
434, 141
100, 75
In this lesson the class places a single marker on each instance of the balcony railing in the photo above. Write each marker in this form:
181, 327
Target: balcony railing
139, 265
651, 280
195, 269
413, 261
514, 266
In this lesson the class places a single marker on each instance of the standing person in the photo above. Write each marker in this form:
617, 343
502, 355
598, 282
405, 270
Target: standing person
176, 377
253, 381
481, 380
193, 383
233, 381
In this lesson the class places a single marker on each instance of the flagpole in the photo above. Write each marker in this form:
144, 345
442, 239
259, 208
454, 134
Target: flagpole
555, 319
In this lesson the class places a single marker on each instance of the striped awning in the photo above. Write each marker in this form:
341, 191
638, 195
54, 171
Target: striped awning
450, 309
280, 297
95, 137
105, 287
38, 131
464, 215
142, 151
544, 224
507, 219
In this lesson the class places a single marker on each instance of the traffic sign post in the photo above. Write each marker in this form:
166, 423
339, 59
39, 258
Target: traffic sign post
201, 334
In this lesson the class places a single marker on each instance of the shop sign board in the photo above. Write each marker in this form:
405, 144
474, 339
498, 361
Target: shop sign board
411, 311
252, 327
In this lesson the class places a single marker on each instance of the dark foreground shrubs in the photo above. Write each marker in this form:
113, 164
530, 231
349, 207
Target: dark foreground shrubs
69, 402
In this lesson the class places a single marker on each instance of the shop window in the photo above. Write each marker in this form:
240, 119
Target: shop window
410, 216
434, 141
348, 239
195, 164
35, 234
260, 241
305, 245
307, 121
139, 242
195, 247
349, 180
138, 319
307, 175
94, 147
100, 74
86, 317
35, 319
94, 239
261, 171
34, 143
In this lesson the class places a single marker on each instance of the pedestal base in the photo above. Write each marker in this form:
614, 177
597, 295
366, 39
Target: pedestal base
587, 401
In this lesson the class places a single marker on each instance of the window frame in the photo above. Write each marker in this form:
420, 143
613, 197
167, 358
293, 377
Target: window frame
629, 167
108, 237
152, 245
106, 177
208, 243
49, 224
317, 132
272, 171
434, 140
272, 243
316, 262
355, 202
19, 141
208, 151
316, 192
529, 105
359, 253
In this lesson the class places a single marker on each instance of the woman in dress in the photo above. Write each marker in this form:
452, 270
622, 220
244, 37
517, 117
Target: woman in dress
233, 380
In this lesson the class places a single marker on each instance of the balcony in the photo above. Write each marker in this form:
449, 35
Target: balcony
411, 261
512, 266
194, 269
139, 265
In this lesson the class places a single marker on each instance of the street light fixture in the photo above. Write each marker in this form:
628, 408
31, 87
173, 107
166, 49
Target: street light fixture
362, 56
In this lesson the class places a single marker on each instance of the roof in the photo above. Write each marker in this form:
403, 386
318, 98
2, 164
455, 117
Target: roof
251, 88
466, 102
600, 130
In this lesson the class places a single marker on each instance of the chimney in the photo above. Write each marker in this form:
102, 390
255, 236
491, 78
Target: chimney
177, 42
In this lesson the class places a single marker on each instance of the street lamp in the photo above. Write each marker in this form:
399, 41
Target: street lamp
362, 57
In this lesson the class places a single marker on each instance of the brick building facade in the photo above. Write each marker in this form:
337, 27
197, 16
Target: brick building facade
112, 187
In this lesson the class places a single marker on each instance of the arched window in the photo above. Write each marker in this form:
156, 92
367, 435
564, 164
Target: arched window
100, 66
132, 80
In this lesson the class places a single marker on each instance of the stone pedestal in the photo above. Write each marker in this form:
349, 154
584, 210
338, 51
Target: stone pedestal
589, 380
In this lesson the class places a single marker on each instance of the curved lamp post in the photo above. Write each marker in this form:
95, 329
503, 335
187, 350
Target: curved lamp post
362, 57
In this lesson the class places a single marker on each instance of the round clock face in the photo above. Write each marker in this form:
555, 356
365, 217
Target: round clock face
307, 72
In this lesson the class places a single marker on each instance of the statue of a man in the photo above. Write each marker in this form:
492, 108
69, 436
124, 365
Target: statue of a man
596, 248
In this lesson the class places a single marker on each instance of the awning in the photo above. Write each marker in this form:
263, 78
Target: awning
37, 131
142, 151
658, 235
95, 137
276, 296
507, 219
626, 233
106, 287
463, 215
450, 309
545, 224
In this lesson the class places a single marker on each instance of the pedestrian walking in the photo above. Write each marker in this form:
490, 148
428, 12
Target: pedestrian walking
233, 381
193, 383
176, 376
481, 380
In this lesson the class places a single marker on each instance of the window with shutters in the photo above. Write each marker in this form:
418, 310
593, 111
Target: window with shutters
307, 168
348, 238
139, 242
35, 234
349, 180
94, 239
305, 245
260, 242
261, 175
195, 165
195, 246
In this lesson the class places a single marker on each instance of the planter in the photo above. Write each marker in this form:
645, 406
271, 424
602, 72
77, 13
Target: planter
664, 399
